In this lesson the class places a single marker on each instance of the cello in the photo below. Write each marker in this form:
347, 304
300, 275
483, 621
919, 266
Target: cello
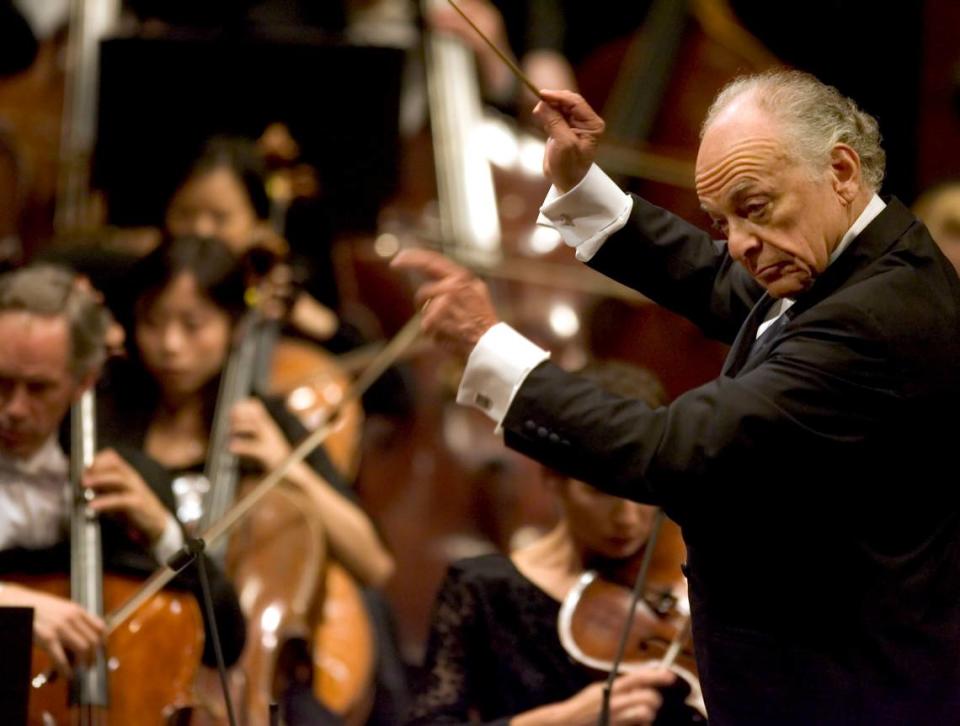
164, 637
278, 559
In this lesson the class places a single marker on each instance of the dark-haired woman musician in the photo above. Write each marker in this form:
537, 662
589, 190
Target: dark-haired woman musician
190, 292
189, 295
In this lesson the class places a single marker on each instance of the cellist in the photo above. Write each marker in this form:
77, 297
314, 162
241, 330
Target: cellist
51, 350
190, 297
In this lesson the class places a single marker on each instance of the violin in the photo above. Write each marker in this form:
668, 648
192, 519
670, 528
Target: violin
598, 616
145, 672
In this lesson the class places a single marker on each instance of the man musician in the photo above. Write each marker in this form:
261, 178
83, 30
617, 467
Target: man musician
52, 349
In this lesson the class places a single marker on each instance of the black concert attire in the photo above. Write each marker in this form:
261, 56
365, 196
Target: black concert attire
494, 651
823, 535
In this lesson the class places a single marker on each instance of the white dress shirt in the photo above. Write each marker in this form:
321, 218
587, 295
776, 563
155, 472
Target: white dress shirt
34, 499
585, 217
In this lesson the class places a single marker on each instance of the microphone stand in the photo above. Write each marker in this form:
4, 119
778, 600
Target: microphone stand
638, 587
192, 552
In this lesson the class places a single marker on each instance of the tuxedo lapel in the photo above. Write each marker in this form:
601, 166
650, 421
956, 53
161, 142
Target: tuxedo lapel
869, 246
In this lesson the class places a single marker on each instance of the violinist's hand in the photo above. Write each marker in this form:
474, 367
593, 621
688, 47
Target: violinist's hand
120, 489
276, 291
634, 701
255, 435
456, 305
574, 130
59, 626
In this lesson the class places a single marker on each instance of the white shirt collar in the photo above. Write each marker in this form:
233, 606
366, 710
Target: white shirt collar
869, 213
48, 460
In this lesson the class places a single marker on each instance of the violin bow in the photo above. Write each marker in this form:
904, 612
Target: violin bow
383, 360
635, 596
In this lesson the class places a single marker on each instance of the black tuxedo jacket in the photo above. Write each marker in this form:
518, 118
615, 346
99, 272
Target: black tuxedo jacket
814, 480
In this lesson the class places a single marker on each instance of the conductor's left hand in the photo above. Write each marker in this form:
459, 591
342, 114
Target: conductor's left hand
456, 305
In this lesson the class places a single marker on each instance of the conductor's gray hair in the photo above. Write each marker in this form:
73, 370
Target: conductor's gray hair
51, 291
815, 117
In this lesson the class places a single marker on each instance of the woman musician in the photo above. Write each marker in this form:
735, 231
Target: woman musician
190, 295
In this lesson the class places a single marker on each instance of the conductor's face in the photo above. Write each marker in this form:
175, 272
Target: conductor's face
782, 217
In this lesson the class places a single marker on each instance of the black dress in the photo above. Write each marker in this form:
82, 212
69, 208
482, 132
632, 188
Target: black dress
494, 651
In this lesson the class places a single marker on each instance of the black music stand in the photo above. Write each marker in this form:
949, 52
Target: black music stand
160, 98
16, 639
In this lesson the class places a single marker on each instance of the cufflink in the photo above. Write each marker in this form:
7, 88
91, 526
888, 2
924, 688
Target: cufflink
482, 401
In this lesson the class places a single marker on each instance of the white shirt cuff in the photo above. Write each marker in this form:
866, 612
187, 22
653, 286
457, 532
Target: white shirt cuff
588, 214
169, 542
497, 366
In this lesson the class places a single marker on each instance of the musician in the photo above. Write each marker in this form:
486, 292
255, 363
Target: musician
51, 351
494, 647
223, 194
189, 294
823, 542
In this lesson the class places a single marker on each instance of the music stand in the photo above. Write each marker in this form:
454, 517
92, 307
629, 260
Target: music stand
16, 635
160, 98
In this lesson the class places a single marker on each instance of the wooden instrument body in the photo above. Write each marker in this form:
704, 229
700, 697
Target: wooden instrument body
597, 609
152, 658
303, 612
311, 384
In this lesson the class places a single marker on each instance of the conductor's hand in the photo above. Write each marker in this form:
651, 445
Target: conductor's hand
456, 305
574, 130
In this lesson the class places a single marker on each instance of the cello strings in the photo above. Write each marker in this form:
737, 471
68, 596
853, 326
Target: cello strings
521, 76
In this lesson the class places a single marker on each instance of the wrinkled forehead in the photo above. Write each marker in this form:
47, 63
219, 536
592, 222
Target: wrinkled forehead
728, 164
744, 143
